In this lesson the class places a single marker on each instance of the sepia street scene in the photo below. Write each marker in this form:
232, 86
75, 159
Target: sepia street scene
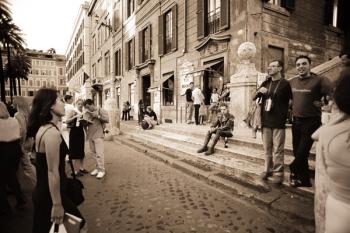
174, 116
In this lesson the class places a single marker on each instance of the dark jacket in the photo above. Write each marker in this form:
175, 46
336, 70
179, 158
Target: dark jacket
224, 122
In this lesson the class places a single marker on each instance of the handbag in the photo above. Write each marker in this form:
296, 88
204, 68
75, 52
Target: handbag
74, 188
57, 228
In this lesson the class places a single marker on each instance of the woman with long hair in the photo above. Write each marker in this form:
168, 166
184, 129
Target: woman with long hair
50, 193
22, 116
10, 151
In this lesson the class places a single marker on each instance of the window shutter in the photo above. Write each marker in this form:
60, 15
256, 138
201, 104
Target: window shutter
127, 56
161, 35
141, 46
115, 21
288, 4
174, 28
150, 41
328, 12
201, 16
225, 14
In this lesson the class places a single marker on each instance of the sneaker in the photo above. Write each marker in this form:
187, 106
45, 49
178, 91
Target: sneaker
94, 172
100, 175
265, 175
203, 149
83, 171
277, 180
295, 183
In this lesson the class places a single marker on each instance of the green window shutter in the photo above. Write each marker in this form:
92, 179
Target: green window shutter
141, 46
174, 28
225, 14
201, 19
161, 35
150, 41
127, 56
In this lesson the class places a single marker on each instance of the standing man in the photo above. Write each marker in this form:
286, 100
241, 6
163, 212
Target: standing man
189, 103
308, 90
275, 93
97, 117
68, 108
221, 127
198, 99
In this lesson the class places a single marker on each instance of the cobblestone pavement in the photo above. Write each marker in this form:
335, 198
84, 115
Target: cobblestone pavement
140, 194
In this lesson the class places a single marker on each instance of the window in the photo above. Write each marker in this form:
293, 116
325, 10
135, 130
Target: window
167, 31
212, 17
130, 7
30, 82
117, 63
62, 81
30, 93
117, 94
107, 93
145, 44
44, 83
288, 4
38, 83
132, 94
107, 64
94, 70
168, 91
130, 54
116, 22
60, 71
23, 93
334, 13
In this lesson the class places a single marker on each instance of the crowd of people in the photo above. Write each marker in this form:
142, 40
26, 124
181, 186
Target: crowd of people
54, 130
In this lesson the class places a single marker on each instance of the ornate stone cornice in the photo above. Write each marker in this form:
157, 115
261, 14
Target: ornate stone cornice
214, 38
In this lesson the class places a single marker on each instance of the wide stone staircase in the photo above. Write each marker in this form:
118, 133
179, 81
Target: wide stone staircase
235, 169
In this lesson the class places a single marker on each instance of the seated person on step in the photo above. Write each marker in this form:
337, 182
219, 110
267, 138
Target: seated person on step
221, 127
150, 117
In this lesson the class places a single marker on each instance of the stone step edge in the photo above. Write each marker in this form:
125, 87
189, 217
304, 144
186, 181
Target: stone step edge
255, 183
263, 200
235, 138
225, 151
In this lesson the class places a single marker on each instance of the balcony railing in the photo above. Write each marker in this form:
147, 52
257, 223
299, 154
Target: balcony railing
213, 21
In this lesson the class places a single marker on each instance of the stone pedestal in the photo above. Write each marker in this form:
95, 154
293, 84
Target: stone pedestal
243, 84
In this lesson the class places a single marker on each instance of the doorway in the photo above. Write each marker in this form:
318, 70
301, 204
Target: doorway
146, 96
213, 77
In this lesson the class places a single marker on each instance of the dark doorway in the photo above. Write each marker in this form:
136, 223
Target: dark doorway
212, 78
146, 96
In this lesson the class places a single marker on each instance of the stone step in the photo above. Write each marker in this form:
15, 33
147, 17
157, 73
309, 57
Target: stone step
237, 139
241, 151
231, 167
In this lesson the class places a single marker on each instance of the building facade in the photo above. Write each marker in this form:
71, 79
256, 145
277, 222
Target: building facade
47, 70
78, 56
151, 50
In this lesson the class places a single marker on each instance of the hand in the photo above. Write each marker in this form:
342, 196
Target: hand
212, 130
262, 90
57, 214
317, 103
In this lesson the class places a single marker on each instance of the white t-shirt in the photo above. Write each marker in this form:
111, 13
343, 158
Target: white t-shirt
197, 96
214, 98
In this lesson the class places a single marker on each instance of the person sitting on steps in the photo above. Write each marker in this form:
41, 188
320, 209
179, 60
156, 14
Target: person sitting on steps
221, 127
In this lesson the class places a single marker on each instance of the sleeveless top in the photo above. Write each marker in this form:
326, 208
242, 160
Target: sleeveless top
42, 186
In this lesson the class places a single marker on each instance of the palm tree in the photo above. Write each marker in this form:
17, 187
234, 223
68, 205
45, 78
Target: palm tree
14, 42
5, 16
21, 65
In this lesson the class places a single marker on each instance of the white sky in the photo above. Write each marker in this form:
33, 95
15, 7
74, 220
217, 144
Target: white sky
46, 23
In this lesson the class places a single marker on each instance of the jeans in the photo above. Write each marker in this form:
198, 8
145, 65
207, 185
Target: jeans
196, 113
217, 134
189, 111
302, 129
97, 149
273, 143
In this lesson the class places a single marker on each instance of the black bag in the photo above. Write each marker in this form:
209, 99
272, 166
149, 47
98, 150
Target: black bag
74, 188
